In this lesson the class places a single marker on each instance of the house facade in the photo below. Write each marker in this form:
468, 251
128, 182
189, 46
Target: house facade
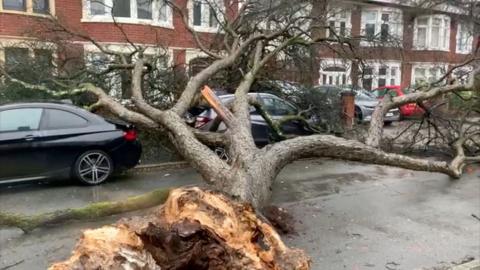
149, 23
398, 44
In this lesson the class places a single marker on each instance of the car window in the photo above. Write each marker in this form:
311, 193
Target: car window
275, 106
20, 119
58, 119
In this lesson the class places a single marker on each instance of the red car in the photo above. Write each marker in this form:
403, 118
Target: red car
407, 110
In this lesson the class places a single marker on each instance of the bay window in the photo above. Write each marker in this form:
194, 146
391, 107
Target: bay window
205, 15
464, 38
155, 12
382, 25
376, 74
334, 72
427, 73
432, 33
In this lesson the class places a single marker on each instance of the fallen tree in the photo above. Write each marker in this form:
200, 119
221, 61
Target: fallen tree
194, 229
90, 212
251, 171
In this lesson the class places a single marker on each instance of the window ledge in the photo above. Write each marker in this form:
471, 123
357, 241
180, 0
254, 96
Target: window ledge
429, 49
168, 25
464, 52
205, 29
384, 44
25, 13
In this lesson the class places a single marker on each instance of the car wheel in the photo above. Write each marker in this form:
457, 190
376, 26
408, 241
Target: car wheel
358, 115
387, 123
93, 167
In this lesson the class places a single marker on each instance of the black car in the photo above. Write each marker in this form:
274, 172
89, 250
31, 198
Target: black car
55, 140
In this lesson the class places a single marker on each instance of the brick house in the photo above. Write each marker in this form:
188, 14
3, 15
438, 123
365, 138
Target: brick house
415, 45
143, 22
399, 44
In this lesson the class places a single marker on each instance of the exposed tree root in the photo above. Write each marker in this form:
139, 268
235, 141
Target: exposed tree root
194, 229
92, 211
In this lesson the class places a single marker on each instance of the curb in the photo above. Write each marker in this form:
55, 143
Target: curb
473, 265
160, 166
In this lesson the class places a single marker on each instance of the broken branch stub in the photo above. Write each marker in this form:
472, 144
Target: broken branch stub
217, 105
195, 229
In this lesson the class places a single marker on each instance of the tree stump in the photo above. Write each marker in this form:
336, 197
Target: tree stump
194, 229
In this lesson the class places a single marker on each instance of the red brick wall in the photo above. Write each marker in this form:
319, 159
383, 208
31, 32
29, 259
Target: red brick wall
69, 13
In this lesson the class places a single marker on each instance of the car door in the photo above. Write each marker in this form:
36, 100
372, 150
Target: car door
279, 109
20, 156
64, 135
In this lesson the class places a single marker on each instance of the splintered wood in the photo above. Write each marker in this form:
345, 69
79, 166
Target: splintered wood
194, 229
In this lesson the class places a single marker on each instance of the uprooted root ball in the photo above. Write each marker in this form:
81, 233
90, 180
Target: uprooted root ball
194, 229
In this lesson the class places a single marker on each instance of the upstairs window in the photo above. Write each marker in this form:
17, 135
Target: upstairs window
205, 15
339, 23
41, 6
156, 12
464, 38
27, 6
382, 25
121, 8
432, 33
19, 5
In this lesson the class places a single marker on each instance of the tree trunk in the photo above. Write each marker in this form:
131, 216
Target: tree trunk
252, 183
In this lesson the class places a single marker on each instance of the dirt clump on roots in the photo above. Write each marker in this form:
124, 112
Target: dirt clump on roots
194, 229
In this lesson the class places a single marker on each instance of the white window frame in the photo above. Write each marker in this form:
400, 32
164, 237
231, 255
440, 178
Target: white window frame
464, 35
375, 76
395, 24
29, 9
444, 33
440, 69
335, 75
336, 15
28, 44
133, 19
205, 19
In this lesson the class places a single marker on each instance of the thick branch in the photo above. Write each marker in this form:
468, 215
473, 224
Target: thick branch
89, 212
287, 151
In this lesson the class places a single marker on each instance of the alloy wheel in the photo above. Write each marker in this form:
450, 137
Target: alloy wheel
94, 168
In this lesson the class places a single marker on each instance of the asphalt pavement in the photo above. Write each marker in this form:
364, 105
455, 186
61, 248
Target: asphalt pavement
348, 215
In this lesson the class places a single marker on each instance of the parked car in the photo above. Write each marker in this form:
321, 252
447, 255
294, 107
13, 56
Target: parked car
275, 106
407, 110
365, 103
55, 140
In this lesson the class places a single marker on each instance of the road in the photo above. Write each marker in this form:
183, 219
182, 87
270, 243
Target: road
348, 215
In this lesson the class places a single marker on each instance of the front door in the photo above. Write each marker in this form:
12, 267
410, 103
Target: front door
19, 154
